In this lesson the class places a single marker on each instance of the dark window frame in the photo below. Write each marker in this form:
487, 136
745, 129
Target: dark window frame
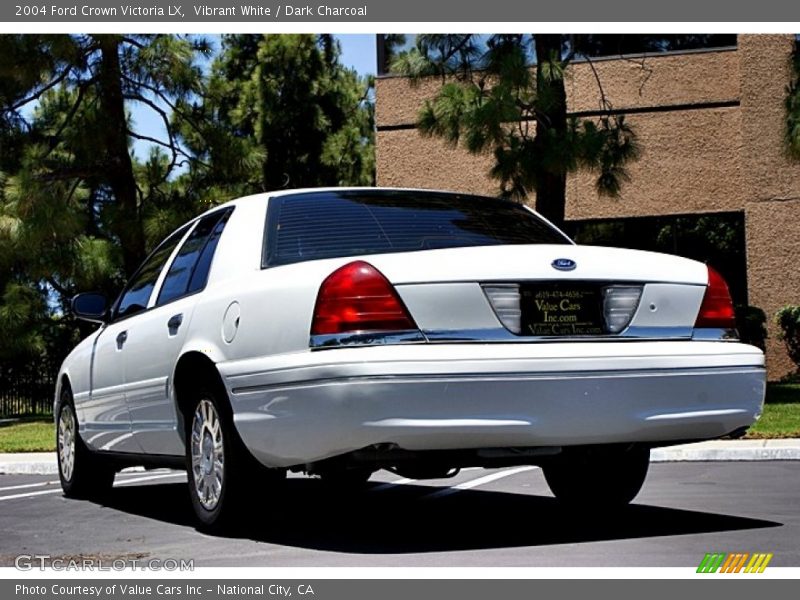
222, 215
186, 228
180, 233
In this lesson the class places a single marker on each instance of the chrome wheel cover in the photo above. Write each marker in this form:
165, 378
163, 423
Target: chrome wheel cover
208, 457
67, 431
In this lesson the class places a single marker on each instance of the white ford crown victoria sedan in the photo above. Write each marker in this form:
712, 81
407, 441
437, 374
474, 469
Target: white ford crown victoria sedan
342, 331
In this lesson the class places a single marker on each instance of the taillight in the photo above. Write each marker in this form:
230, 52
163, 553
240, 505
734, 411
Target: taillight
717, 308
358, 298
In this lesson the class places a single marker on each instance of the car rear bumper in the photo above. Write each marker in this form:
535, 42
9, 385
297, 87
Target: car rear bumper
299, 408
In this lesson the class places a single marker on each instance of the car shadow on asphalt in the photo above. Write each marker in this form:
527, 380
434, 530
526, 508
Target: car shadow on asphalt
307, 514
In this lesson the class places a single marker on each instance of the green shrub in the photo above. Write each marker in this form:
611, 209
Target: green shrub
788, 319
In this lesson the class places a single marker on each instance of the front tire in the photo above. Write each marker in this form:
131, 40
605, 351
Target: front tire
223, 476
597, 478
81, 472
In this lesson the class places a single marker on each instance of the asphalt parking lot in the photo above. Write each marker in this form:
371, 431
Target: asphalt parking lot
503, 517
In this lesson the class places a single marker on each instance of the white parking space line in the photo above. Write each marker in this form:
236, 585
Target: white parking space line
473, 483
27, 485
127, 479
30, 494
140, 471
117, 483
150, 478
390, 484
57, 482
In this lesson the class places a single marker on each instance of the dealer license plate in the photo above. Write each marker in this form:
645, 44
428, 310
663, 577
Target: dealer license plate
562, 310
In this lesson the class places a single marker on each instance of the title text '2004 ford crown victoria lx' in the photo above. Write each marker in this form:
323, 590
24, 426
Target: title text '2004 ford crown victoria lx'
341, 331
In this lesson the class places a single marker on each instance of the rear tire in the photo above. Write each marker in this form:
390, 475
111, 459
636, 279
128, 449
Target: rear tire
597, 478
82, 473
224, 478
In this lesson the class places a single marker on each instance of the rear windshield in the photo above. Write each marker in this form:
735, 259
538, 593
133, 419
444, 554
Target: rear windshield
332, 224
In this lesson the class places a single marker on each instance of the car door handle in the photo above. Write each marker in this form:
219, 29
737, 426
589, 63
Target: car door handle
174, 323
122, 337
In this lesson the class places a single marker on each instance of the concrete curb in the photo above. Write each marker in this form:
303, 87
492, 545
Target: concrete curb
44, 463
29, 463
731, 450
36, 463
20, 464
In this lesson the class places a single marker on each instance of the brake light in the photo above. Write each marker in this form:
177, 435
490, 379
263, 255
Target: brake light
358, 298
717, 308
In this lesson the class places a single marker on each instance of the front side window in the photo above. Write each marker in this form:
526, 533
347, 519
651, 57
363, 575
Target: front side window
137, 293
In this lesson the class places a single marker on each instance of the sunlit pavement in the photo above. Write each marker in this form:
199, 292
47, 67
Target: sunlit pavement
500, 517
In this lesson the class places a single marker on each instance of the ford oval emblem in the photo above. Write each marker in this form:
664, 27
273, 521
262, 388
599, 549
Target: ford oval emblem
564, 264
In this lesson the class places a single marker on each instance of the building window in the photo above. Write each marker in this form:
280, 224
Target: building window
717, 239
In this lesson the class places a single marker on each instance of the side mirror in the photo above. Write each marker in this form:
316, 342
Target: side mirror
90, 306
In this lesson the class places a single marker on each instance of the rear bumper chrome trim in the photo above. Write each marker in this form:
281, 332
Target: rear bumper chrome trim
503, 335
632, 333
719, 335
373, 338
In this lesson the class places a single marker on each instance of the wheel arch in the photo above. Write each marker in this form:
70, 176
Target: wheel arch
62, 383
194, 369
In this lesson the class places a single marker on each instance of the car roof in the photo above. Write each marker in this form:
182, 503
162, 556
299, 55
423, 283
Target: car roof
292, 192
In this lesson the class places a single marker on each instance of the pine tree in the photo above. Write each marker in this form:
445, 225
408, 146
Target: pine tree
77, 210
507, 96
77, 157
283, 112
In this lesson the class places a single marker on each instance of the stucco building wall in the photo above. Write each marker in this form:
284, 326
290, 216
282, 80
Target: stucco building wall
710, 125
772, 183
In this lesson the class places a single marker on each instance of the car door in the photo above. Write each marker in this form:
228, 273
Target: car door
106, 414
106, 421
155, 341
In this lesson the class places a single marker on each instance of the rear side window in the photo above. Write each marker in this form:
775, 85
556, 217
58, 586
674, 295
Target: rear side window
348, 223
200, 274
188, 273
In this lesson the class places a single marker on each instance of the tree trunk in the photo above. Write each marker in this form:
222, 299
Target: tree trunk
551, 184
116, 158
